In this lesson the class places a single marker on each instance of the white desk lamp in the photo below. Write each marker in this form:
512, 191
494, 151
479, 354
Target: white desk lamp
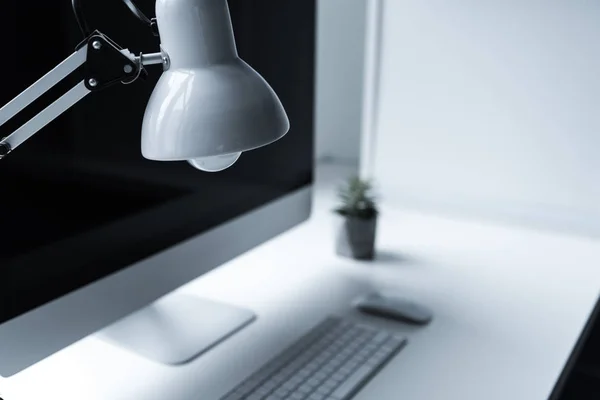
208, 107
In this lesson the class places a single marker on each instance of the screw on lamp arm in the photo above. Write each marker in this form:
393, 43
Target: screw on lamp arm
4, 150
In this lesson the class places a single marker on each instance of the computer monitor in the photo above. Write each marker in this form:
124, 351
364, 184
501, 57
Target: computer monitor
92, 233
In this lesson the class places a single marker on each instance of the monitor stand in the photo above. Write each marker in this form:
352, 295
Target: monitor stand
177, 328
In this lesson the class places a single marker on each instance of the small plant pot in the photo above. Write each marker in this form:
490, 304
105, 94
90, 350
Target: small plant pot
356, 237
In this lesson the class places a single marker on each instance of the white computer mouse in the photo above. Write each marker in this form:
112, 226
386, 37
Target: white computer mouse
396, 308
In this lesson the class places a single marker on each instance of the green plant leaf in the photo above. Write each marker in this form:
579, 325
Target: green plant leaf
357, 199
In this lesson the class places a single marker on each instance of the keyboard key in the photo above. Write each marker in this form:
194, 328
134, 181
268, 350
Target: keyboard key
329, 386
381, 337
291, 385
305, 389
282, 392
314, 382
321, 375
324, 391
353, 381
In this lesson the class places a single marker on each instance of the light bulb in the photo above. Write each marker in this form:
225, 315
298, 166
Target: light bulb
216, 163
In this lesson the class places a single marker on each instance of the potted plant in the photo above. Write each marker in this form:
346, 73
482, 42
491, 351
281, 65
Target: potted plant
358, 211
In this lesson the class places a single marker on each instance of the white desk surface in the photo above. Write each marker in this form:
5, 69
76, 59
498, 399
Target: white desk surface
509, 306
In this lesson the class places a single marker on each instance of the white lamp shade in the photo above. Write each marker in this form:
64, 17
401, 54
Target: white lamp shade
209, 102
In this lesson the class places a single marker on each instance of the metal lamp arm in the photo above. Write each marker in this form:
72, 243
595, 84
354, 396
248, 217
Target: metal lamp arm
85, 30
105, 63
36, 90
150, 22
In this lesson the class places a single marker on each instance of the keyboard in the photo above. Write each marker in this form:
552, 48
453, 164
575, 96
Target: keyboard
333, 361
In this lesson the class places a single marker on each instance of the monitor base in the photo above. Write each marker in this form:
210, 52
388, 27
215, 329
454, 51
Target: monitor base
177, 328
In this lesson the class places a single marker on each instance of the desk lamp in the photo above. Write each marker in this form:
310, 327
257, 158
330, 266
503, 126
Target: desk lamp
208, 107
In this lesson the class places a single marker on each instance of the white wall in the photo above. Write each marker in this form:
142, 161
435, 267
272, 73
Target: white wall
492, 107
340, 65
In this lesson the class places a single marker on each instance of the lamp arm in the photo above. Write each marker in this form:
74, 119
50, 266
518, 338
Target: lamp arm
151, 23
105, 63
85, 30
80, 18
36, 90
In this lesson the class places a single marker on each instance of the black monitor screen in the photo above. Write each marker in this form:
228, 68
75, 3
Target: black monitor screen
78, 201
